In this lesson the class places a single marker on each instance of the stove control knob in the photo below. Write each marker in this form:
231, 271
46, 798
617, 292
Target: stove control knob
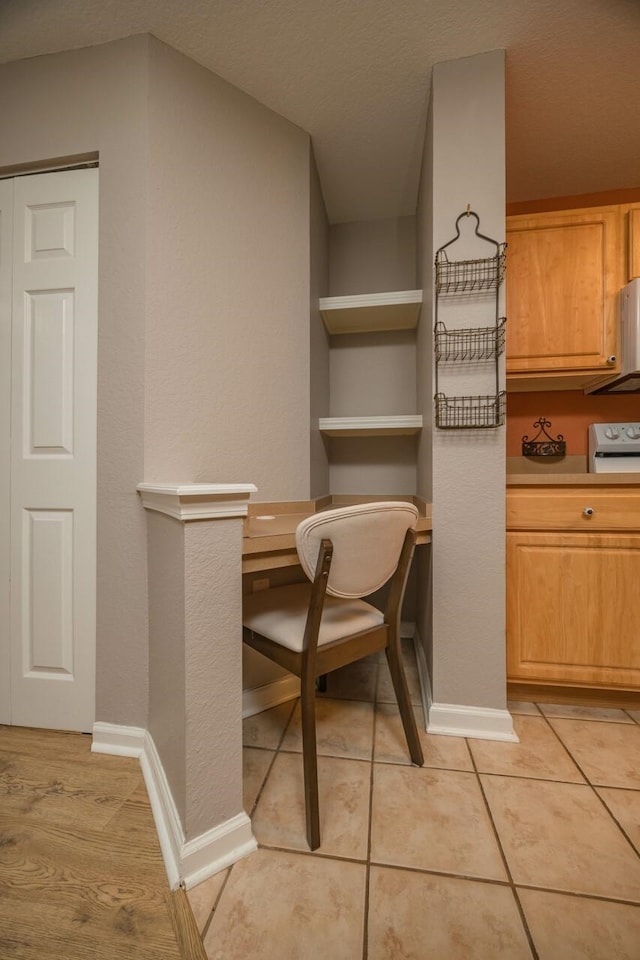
634, 432
588, 511
612, 433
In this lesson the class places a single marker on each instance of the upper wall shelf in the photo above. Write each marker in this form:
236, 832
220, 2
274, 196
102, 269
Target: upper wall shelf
370, 426
372, 312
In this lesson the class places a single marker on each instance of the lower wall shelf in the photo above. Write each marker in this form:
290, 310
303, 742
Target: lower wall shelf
370, 426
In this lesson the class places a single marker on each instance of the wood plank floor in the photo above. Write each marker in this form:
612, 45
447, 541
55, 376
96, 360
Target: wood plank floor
81, 873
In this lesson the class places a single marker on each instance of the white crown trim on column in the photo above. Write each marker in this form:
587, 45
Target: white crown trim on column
197, 501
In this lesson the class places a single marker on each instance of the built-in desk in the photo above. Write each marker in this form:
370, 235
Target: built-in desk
269, 529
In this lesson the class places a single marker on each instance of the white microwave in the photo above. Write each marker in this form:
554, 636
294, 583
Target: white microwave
628, 379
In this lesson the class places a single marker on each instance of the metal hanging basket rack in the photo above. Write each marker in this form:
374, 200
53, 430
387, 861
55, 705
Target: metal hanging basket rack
475, 343
470, 344
473, 412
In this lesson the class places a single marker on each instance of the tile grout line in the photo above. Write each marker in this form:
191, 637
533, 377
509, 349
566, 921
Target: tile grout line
511, 882
365, 928
592, 786
579, 895
368, 862
285, 727
506, 884
207, 924
613, 816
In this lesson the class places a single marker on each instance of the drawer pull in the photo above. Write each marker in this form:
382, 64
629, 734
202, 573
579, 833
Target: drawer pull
588, 511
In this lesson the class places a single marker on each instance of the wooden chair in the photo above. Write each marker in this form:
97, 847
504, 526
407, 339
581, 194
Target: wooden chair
312, 628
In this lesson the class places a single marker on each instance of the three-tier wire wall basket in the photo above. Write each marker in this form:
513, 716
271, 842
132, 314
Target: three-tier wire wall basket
472, 279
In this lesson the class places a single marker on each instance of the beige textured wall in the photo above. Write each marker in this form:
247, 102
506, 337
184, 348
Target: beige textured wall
65, 105
230, 270
228, 279
167, 637
213, 674
373, 374
204, 280
372, 256
469, 465
373, 466
424, 357
195, 665
319, 339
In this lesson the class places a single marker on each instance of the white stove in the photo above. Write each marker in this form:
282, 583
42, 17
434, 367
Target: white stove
614, 448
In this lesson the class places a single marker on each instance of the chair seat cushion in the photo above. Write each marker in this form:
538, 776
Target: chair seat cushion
281, 614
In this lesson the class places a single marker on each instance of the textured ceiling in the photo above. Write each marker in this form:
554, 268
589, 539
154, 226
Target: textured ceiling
355, 74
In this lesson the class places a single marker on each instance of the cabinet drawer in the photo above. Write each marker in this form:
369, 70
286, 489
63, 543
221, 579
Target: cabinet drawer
584, 510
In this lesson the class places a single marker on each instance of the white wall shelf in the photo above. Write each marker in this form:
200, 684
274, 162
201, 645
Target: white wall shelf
370, 426
372, 312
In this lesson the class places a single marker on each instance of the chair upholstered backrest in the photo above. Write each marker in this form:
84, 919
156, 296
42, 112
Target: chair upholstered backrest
367, 540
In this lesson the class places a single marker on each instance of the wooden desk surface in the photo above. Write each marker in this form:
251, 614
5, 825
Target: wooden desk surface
269, 530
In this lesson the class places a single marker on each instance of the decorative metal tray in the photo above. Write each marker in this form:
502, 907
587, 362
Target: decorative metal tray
543, 445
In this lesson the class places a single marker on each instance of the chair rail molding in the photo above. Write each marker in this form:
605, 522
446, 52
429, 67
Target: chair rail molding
197, 501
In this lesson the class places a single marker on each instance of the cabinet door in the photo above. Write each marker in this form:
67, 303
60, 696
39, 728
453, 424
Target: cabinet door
572, 610
633, 243
564, 270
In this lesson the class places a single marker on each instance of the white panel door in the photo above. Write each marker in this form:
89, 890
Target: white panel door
53, 450
6, 261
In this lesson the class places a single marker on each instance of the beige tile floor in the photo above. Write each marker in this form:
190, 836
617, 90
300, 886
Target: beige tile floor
491, 851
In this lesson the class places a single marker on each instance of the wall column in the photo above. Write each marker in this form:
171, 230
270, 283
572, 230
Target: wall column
468, 662
194, 539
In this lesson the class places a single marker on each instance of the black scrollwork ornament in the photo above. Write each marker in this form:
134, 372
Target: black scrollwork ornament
543, 444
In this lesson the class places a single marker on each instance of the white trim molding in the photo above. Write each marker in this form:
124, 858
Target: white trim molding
269, 695
216, 849
186, 862
480, 723
423, 676
370, 426
391, 298
197, 501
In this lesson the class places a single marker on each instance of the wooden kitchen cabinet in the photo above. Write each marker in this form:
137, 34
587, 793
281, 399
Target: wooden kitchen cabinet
573, 617
564, 271
633, 242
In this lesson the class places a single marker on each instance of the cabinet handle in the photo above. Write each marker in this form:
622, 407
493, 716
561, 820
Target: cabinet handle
588, 511
612, 359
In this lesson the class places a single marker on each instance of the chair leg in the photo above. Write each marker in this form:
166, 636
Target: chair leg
310, 761
396, 668
321, 683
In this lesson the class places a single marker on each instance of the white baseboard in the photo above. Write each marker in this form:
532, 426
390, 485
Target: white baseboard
118, 740
423, 676
216, 849
480, 723
186, 862
269, 695
458, 720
